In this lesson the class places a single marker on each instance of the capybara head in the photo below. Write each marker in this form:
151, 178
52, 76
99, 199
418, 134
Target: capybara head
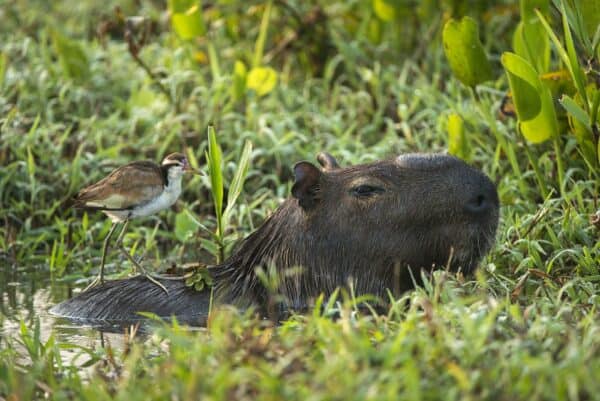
369, 225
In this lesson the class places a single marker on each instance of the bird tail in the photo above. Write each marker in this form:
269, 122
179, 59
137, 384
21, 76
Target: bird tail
77, 203
72, 202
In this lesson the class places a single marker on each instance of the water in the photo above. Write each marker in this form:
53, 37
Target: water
28, 294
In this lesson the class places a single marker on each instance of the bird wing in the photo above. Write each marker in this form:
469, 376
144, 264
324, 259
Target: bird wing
133, 184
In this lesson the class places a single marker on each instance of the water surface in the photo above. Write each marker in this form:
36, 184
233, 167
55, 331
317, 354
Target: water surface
27, 294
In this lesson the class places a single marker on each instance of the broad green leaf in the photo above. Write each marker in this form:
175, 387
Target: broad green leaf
262, 80
185, 227
458, 144
532, 43
545, 125
186, 18
523, 80
71, 56
240, 73
533, 100
465, 53
528, 7
530, 40
384, 10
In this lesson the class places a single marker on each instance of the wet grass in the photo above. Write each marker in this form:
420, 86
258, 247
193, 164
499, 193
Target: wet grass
526, 327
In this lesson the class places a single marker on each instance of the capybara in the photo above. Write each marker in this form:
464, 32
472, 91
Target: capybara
372, 227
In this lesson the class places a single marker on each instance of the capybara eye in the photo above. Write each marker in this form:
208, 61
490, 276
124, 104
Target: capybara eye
366, 190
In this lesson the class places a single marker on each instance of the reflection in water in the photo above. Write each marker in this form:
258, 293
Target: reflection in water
27, 295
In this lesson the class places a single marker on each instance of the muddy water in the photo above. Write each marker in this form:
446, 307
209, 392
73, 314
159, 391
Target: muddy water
27, 295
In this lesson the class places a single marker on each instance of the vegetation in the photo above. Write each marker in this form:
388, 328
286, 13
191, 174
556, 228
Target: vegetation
86, 86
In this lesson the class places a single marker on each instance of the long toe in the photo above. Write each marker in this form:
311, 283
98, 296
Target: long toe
137, 266
97, 281
155, 281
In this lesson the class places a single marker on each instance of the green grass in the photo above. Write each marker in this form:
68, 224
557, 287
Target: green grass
526, 327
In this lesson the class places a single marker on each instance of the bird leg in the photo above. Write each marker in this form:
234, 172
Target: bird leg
100, 278
137, 266
122, 233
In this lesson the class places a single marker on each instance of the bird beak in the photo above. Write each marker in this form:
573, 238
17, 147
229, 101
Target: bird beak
189, 169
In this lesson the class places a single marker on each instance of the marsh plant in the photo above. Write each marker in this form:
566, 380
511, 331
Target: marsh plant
510, 86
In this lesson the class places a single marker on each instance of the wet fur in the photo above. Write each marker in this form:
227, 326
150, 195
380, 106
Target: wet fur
326, 237
120, 301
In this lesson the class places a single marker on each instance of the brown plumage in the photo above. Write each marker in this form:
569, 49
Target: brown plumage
137, 189
127, 186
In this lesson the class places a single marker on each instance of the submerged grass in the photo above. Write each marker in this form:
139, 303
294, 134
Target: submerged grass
526, 327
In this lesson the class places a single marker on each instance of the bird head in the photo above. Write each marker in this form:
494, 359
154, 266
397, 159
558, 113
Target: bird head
180, 163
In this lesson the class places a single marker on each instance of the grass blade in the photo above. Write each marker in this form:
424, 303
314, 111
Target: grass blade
576, 72
215, 69
576, 111
262, 36
238, 181
214, 157
559, 47
568, 58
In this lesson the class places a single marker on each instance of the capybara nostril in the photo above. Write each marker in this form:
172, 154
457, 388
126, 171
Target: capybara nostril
484, 198
479, 204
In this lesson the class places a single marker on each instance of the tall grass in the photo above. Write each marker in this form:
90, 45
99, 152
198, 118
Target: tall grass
349, 81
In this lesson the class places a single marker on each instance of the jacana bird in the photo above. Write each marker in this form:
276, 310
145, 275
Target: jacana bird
137, 189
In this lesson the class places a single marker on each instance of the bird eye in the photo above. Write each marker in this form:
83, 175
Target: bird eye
366, 190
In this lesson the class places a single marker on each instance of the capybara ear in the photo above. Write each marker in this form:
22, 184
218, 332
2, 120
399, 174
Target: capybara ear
306, 184
327, 161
